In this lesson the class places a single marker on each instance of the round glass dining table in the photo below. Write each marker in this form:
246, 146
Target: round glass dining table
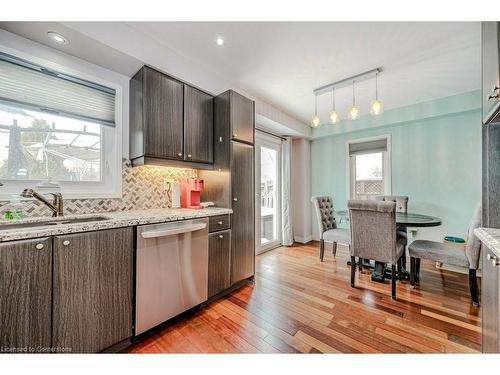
403, 219
407, 219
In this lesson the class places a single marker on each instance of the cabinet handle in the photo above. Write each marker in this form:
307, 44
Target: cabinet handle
220, 139
235, 199
179, 154
39, 246
66, 242
221, 236
220, 222
189, 156
493, 96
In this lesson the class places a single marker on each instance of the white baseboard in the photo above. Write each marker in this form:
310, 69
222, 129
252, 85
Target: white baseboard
303, 239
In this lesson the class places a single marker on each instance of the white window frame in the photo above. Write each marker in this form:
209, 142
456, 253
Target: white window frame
386, 161
110, 185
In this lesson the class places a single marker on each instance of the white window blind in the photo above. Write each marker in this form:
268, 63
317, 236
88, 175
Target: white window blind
30, 86
368, 147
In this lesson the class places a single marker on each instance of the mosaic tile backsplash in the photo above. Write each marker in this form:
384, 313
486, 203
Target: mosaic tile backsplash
142, 188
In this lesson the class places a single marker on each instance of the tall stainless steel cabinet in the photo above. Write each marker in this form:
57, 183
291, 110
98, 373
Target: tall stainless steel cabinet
231, 184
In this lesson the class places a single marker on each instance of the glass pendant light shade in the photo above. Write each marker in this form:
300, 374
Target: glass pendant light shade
316, 120
334, 117
354, 112
376, 107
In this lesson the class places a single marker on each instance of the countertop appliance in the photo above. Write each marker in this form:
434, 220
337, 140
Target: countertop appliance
171, 270
191, 189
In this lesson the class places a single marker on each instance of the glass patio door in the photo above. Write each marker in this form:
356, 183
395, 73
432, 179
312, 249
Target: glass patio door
268, 192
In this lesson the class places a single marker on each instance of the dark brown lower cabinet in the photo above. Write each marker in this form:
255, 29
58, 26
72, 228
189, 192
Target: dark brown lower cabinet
92, 295
219, 262
243, 202
25, 295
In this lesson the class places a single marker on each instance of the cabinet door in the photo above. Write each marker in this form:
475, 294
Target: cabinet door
490, 294
490, 45
163, 115
25, 294
92, 308
198, 126
242, 118
242, 226
219, 262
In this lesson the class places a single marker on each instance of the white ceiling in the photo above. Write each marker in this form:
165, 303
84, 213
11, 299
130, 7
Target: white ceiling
281, 62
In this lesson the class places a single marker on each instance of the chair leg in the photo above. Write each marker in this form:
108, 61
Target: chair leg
413, 269
334, 249
417, 269
353, 270
399, 265
321, 249
473, 287
360, 262
393, 281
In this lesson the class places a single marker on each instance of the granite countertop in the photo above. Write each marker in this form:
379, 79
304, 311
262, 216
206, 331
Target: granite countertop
112, 220
490, 237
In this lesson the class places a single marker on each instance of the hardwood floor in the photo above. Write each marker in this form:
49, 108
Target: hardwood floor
299, 305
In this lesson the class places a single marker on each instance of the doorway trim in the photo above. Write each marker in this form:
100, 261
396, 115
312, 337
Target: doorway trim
274, 143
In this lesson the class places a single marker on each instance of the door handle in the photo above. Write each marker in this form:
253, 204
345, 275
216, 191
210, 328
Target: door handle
39, 246
173, 231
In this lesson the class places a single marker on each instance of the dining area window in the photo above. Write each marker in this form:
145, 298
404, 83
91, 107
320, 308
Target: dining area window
369, 168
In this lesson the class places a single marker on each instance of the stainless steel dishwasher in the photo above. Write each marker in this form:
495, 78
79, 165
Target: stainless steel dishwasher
171, 270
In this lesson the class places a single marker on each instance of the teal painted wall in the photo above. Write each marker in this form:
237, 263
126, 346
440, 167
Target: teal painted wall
436, 159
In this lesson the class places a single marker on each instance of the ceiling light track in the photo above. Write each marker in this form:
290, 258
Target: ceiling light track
376, 107
347, 81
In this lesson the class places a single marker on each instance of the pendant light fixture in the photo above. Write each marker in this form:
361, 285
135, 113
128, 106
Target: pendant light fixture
376, 106
354, 110
334, 116
315, 121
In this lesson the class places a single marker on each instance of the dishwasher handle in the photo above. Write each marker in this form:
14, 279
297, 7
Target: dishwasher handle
173, 231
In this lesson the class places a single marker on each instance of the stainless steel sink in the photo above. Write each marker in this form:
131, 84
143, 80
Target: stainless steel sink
52, 222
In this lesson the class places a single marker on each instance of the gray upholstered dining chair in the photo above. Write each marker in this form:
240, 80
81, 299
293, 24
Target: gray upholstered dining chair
400, 200
460, 256
328, 231
374, 235
401, 206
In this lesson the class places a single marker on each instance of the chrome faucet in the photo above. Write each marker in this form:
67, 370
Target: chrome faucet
56, 207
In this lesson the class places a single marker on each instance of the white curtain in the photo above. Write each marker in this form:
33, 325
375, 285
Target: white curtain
286, 214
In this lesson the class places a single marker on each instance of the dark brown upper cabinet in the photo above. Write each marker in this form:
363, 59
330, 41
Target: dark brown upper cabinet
198, 126
490, 51
241, 117
171, 123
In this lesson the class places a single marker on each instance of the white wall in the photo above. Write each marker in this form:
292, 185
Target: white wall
301, 189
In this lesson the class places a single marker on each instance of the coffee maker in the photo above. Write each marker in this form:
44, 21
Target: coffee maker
190, 192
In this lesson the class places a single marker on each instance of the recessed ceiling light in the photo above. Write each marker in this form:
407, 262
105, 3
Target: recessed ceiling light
219, 41
58, 38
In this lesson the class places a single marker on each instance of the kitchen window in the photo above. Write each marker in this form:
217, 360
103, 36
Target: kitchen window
369, 172
57, 128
